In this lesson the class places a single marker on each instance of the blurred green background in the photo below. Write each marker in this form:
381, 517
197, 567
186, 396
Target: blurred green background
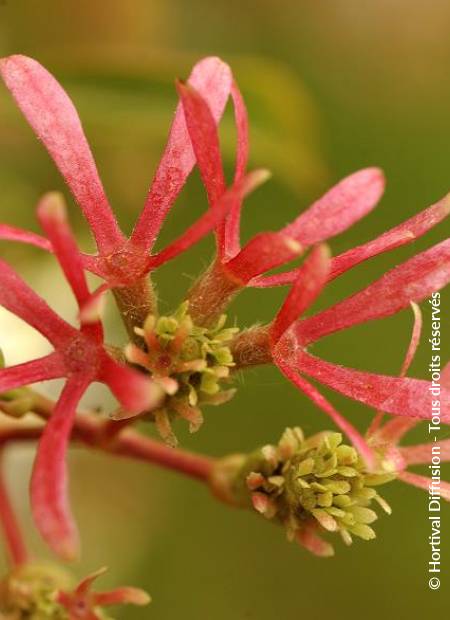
331, 87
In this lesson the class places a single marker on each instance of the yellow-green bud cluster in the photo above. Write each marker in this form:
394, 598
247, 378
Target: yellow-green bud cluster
30, 593
190, 362
317, 479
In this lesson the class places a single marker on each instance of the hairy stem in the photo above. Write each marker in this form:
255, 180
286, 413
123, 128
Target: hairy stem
251, 347
211, 294
135, 303
12, 534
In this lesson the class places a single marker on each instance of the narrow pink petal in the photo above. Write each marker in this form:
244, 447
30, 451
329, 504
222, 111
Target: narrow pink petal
11, 233
86, 584
205, 140
317, 398
92, 309
414, 280
122, 596
229, 233
397, 395
212, 79
415, 339
406, 232
55, 121
134, 390
262, 253
277, 279
422, 482
52, 215
421, 454
395, 429
342, 206
21, 300
211, 218
410, 353
43, 369
49, 497
308, 538
311, 279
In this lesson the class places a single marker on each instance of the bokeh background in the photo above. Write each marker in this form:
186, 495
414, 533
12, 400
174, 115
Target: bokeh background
331, 87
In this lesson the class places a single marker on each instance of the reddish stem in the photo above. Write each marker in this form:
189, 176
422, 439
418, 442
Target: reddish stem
13, 536
127, 442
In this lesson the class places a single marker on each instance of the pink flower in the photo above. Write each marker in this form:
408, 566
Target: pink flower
341, 207
412, 281
50, 112
83, 604
81, 358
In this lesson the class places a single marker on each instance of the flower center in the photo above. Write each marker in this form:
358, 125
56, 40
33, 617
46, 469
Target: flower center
191, 363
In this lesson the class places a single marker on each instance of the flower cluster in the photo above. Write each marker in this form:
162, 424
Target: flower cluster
41, 592
306, 485
189, 362
174, 365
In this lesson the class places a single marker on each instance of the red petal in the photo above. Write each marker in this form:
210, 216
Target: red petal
21, 300
311, 279
212, 79
122, 596
397, 395
406, 232
52, 216
229, 233
43, 369
421, 454
342, 206
308, 538
414, 280
211, 218
49, 498
355, 437
395, 429
205, 140
11, 233
422, 482
54, 118
134, 390
262, 253
85, 585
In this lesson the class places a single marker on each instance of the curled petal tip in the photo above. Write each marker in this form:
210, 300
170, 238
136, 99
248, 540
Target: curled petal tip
52, 207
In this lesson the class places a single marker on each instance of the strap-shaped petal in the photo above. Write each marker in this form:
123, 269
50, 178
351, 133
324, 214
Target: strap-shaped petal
264, 252
211, 77
404, 233
135, 391
422, 482
205, 140
414, 280
52, 215
343, 205
421, 454
317, 398
49, 494
228, 233
11, 233
43, 369
17, 297
311, 278
209, 220
397, 395
55, 121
